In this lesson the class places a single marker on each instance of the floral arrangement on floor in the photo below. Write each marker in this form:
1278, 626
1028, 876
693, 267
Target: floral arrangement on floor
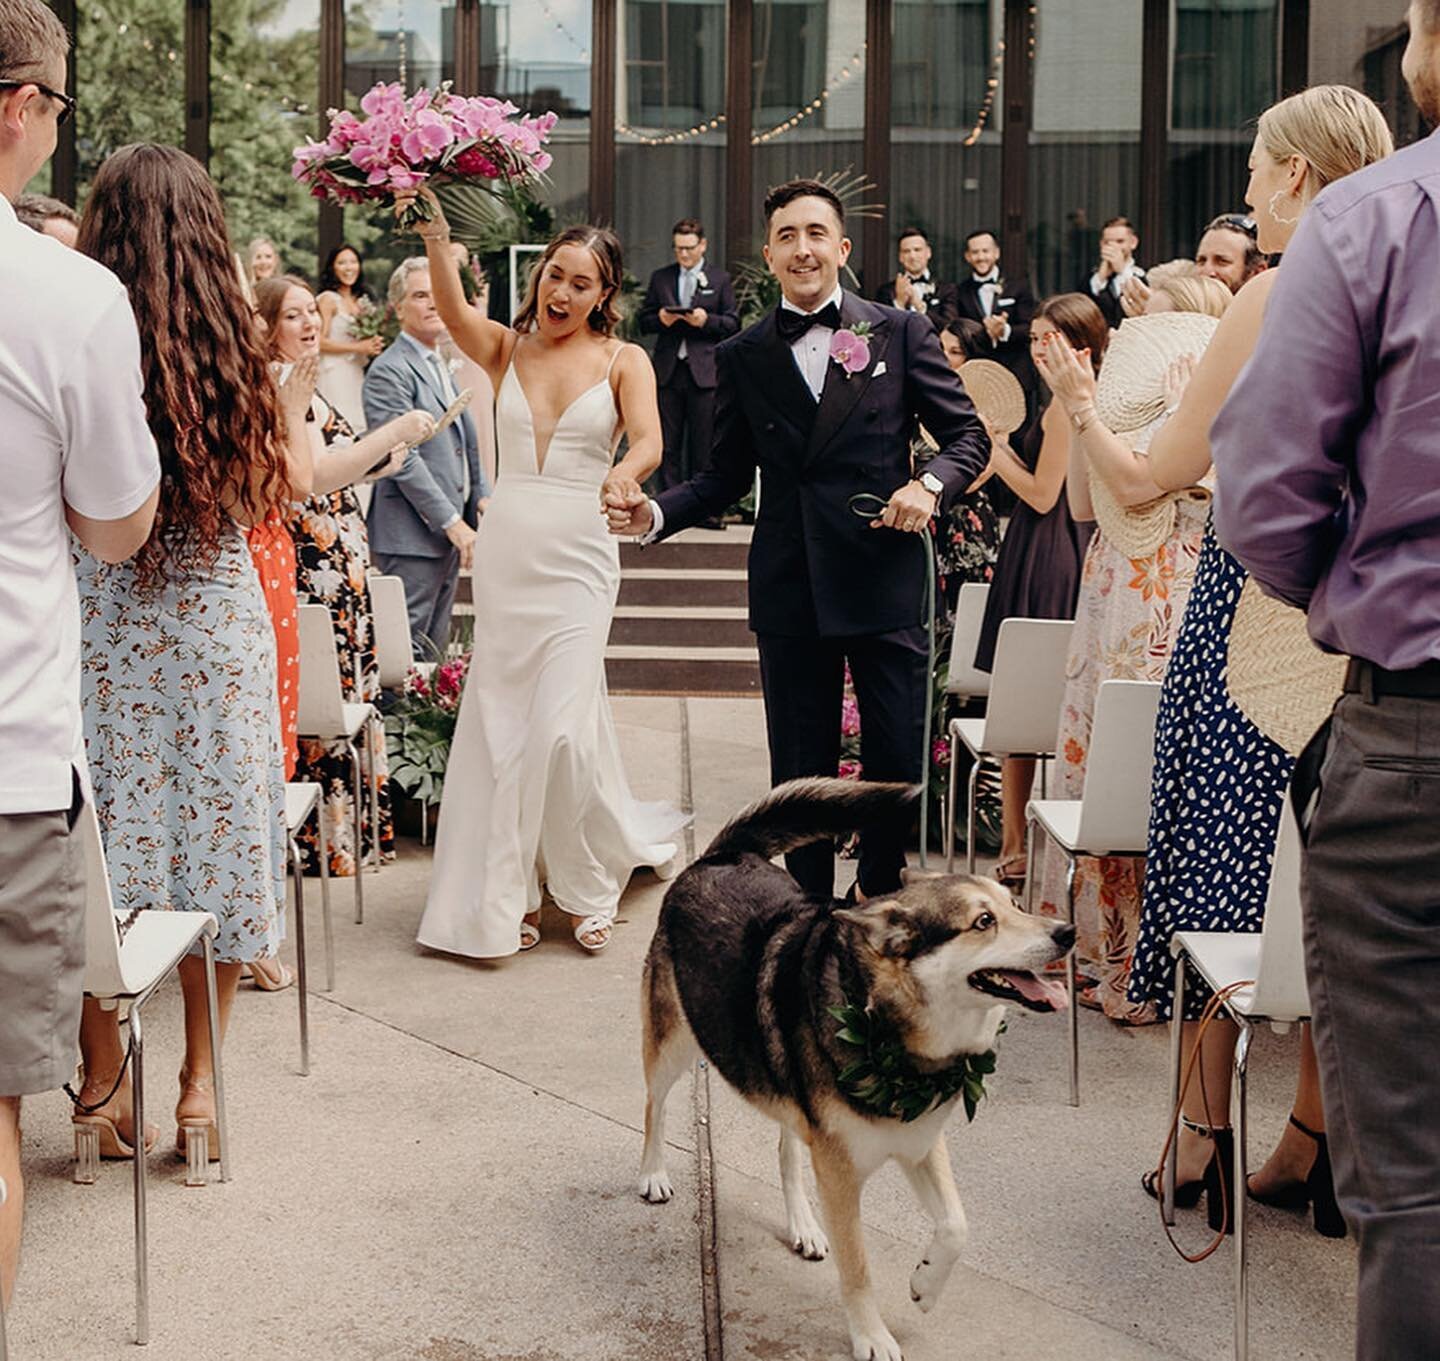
420, 726
431, 137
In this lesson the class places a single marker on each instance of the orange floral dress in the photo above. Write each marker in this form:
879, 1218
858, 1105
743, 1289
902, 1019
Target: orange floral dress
273, 552
1126, 623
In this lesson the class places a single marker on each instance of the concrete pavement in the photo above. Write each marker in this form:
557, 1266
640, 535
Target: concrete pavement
455, 1180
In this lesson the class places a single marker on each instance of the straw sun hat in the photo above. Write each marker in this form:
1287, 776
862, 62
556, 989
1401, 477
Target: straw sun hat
1130, 400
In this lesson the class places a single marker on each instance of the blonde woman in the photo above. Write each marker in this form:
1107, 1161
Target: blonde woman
262, 260
1208, 869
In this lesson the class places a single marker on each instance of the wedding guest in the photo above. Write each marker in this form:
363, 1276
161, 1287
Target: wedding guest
76, 451
1187, 290
963, 339
1038, 572
914, 289
262, 260
1115, 268
422, 521
332, 553
49, 216
467, 374
1004, 307
179, 680
344, 296
1134, 584
1229, 250
1338, 518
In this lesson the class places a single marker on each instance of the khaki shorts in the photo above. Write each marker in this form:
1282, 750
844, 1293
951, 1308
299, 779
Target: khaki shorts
42, 948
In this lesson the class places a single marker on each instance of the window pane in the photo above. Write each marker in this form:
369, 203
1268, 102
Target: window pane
1352, 44
672, 55
264, 88
945, 53
129, 78
1085, 135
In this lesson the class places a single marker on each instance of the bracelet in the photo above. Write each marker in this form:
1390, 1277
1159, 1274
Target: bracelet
434, 236
1079, 421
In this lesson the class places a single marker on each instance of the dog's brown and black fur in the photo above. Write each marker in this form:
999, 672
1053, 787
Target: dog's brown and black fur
745, 968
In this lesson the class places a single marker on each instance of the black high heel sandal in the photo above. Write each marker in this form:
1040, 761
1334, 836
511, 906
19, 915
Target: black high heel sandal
1316, 1192
1216, 1183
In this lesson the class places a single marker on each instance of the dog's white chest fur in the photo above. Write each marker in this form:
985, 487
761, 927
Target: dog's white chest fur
871, 1142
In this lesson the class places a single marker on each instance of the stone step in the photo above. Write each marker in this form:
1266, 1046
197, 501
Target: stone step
680, 586
651, 675
685, 553
681, 626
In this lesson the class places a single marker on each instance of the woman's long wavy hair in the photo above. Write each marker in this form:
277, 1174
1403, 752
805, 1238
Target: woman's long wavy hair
154, 219
604, 245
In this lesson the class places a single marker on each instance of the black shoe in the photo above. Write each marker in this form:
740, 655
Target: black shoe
1215, 1185
714, 522
1317, 1191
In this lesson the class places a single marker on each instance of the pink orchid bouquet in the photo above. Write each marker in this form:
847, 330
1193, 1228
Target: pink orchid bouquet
431, 137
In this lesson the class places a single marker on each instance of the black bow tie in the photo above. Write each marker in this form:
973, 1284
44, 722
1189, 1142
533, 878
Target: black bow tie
792, 325
987, 279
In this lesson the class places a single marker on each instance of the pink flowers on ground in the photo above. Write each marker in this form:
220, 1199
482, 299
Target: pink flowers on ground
432, 136
850, 348
849, 770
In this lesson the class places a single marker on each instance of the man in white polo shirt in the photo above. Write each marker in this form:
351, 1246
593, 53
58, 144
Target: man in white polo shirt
74, 449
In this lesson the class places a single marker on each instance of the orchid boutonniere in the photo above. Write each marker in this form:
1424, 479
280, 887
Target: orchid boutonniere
850, 348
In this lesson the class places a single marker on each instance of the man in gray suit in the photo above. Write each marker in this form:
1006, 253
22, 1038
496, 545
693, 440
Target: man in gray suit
423, 520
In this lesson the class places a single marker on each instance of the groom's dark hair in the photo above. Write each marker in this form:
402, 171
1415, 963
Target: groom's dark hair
785, 194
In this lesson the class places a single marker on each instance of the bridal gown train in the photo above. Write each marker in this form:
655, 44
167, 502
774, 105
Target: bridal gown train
535, 792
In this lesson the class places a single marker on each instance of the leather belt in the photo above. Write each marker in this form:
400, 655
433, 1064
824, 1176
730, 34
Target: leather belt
1417, 682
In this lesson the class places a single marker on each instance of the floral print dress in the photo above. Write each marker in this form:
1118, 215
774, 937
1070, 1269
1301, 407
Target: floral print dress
182, 735
332, 555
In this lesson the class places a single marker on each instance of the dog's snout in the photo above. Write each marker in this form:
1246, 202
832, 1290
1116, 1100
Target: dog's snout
1063, 935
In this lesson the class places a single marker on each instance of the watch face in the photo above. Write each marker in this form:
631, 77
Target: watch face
931, 483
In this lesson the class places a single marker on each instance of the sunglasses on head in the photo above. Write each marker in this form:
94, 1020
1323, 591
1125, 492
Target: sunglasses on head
67, 105
1236, 222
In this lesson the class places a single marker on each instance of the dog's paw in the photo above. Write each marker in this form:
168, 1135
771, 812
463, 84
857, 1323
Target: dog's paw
875, 1344
926, 1282
809, 1241
655, 1187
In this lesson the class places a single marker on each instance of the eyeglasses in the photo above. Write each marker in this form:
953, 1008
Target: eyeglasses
67, 105
1236, 222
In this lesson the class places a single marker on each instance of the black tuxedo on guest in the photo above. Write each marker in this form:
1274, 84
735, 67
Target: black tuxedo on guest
687, 385
1107, 299
824, 587
1014, 298
941, 307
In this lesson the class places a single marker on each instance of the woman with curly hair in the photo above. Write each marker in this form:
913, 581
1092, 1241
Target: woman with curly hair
178, 649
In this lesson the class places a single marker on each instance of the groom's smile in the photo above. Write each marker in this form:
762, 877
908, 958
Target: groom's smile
805, 249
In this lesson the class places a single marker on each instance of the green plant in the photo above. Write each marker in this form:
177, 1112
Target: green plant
420, 726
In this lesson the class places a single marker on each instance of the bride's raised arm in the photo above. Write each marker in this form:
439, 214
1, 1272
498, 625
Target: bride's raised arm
486, 342
640, 418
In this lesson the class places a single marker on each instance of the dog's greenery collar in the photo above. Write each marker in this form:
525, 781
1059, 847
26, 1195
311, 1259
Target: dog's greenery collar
884, 1082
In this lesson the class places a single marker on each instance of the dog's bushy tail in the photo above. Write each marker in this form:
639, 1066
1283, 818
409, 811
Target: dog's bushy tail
801, 811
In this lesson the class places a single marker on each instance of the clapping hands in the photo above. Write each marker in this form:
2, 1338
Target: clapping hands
1068, 372
297, 388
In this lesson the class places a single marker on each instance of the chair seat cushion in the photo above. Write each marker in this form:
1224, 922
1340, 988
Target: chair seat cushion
356, 717
1222, 958
155, 943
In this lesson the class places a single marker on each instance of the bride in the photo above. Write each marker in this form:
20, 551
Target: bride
535, 791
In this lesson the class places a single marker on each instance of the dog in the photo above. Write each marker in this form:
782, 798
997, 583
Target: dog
746, 968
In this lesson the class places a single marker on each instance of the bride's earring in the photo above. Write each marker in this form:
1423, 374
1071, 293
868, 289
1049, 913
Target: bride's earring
1274, 216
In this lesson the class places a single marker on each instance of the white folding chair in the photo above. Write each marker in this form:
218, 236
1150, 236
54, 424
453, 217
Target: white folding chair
962, 678
1273, 959
1027, 686
326, 717
122, 976
393, 644
1112, 814
301, 799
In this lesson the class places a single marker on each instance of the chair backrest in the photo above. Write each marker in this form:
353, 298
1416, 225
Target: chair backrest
321, 703
1280, 990
961, 677
393, 649
103, 975
1115, 803
1027, 685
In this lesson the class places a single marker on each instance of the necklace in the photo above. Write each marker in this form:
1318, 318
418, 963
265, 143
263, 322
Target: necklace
883, 1081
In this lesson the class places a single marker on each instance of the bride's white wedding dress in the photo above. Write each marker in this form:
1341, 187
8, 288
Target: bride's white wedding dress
535, 792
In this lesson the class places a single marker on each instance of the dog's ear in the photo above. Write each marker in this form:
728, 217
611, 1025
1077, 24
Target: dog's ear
910, 875
885, 928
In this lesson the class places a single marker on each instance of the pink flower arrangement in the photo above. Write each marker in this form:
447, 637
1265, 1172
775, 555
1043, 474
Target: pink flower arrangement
849, 717
850, 348
442, 686
849, 770
429, 137
940, 751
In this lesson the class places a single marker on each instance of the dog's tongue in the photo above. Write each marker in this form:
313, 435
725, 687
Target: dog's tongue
1038, 988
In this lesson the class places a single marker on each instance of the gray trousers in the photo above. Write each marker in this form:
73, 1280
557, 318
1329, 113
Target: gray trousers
1371, 886
429, 596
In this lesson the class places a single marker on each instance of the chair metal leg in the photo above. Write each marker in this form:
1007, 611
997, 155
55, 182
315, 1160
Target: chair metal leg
358, 834
303, 979
212, 1005
1238, 1197
950, 805
324, 859
424, 823
1177, 1025
142, 1243
1044, 777
1073, 1018
4, 1348
970, 817
1030, 830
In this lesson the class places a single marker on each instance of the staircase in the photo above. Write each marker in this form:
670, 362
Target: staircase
680, 622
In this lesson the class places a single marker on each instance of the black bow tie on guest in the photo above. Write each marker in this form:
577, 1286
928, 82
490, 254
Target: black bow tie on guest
792, 325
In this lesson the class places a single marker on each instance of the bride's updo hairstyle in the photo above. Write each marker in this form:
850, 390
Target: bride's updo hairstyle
604, 245
1334, 129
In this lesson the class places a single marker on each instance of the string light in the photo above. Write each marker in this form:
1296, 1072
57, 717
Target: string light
992, 83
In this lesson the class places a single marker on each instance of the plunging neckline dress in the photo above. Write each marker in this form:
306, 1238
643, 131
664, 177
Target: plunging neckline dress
535, 794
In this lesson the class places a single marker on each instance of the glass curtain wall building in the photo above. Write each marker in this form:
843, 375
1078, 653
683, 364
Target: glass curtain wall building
1038, 119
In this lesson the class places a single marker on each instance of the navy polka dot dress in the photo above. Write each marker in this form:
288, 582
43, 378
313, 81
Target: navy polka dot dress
1215, 798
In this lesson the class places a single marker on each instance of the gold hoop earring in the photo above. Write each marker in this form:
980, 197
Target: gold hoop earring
1274, 216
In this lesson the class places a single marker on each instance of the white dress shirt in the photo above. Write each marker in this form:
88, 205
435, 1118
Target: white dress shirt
685, 292
437, 366
1117, 281
72, 433
988, 291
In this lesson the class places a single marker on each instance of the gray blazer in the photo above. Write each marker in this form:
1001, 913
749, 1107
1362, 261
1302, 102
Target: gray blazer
408, 509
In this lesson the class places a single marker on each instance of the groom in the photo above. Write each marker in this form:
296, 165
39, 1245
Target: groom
824, 418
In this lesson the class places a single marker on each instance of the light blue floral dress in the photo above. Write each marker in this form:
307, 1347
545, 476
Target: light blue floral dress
182, 733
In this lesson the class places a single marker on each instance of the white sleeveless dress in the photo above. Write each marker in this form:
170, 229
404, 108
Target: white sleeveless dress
342, 376
535, 792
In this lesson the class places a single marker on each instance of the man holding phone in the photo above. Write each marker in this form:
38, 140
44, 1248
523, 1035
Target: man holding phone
691, 307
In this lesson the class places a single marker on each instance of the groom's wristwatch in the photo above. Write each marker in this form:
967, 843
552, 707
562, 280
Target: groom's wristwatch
932, 484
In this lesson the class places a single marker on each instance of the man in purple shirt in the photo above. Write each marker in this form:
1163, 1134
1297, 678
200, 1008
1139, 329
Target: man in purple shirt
1328, 461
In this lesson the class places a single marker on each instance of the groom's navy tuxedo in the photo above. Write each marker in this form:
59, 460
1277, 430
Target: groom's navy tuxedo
825, 588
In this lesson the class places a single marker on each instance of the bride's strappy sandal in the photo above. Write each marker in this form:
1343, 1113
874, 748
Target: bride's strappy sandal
596, 925
529, 934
